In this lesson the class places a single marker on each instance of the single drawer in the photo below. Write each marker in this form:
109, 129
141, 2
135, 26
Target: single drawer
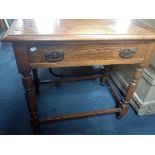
67, 55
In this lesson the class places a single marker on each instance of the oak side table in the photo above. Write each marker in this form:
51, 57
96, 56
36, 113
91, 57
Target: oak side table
81, 42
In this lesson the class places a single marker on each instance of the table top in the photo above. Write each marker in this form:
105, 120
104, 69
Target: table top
78, 29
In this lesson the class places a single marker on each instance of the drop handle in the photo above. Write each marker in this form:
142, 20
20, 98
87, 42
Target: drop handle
54, 56
127, 52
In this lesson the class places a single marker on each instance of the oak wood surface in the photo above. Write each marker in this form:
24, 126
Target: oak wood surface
84, 43
85, 54
78, 115
79, 29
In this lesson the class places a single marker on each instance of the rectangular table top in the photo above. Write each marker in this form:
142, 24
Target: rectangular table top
79, 29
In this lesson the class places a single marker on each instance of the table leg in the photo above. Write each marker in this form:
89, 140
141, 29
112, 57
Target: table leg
31, 102
106, 72
130, 91
36, 80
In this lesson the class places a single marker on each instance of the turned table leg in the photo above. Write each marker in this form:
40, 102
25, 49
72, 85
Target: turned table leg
22, 59
31, 102
130, 91
106, 72
36, 80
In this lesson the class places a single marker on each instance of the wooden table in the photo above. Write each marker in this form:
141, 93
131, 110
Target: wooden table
72, 43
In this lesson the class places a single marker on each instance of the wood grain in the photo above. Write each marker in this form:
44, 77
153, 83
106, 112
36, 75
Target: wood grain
78, 115
84, 42
79, 29
85, 54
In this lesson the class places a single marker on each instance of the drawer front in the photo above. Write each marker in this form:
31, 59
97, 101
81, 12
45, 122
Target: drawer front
66, 55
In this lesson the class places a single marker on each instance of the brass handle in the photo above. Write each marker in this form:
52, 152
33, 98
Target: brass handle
127, 52
54, 56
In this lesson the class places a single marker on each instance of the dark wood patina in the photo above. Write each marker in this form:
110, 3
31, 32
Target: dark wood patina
72, 43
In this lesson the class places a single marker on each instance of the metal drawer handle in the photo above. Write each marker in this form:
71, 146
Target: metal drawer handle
127, 52
54, 56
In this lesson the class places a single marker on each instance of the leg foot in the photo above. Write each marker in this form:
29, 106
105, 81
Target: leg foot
124, 110
35, 126
118, 116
